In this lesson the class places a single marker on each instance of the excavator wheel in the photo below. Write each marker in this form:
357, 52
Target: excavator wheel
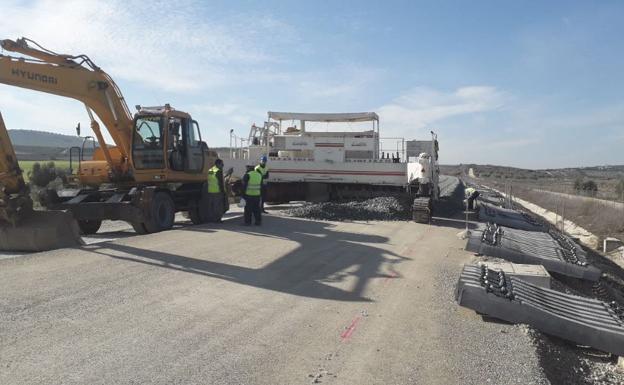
89, 226
161, 213
40, 231
139, 227
194, 214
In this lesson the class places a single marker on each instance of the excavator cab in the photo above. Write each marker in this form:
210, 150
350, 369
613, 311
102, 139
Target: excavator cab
166, 140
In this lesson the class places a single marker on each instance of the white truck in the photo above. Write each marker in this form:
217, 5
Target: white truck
336, 165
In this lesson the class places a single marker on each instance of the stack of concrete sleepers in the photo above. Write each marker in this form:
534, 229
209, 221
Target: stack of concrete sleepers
584, 321
509, 218
490, 197
555, 251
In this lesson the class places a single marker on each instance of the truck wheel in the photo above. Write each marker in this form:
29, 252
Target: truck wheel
162, 213
89, 226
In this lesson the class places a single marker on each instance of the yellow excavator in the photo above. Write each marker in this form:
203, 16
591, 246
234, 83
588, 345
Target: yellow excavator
155, 167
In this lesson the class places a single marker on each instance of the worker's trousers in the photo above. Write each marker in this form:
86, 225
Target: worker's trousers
471, 200
215, 207
252, 207
263, 193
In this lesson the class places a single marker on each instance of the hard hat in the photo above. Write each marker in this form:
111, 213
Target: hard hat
263, 158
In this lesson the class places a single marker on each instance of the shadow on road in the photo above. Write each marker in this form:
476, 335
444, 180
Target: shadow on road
323, 256
456, 223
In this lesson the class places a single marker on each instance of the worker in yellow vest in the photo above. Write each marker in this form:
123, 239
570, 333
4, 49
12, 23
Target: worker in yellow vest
216, 193
264, 170
252, 185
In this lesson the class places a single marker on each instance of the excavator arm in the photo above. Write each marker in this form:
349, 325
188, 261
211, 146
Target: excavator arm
11, 178
75, 77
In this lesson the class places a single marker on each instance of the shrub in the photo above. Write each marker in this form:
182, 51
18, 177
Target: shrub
590, 187
42, 175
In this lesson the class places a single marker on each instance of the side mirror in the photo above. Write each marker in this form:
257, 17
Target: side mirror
78, 129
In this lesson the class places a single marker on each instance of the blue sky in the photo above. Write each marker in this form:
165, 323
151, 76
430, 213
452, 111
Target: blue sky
527, 83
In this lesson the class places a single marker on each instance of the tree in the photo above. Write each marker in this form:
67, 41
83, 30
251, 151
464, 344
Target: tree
589, 187
578, 184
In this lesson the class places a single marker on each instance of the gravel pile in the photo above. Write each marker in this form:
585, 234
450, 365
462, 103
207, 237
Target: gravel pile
565, 363
375, 209
451, 197
450, 186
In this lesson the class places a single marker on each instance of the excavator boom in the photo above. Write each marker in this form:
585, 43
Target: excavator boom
75, 77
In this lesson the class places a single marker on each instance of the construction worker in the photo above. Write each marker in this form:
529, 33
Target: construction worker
252, 185
264, 170
471, 195
216, 193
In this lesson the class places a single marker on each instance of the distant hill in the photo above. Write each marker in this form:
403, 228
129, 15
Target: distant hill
43, 139
42, 145
559, 180
493, 171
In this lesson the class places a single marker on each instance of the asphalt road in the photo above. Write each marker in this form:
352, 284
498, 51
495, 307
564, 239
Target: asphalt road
292, 302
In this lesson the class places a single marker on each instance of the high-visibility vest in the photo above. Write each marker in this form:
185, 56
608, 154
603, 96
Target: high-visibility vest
263, 171
213, 181
468, 192
253, 184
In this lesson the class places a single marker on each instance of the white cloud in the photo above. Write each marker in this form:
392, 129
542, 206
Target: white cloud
347, 81
41, 111
174, 51
423, 106
216, 109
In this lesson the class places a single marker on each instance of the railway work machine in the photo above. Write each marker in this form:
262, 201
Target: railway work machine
306, 165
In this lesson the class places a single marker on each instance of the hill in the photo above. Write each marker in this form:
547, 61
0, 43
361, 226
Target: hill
33, 138
562, 180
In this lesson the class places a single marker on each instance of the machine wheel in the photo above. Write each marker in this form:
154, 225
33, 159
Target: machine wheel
89, 226
162, 213
194, 213
421, 210
139, 227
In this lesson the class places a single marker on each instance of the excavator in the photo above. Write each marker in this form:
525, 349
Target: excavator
155, 167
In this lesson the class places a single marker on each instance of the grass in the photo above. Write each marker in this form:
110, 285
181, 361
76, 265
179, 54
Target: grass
27, 165
600, 219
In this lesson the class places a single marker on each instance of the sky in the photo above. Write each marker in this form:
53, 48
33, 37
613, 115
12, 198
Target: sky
534, 84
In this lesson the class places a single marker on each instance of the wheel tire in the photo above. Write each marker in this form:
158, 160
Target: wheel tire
89, 226
194, 214
162, 213
139, 227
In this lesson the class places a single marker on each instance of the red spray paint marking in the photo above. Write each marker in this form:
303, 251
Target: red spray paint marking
389, 276
349, 331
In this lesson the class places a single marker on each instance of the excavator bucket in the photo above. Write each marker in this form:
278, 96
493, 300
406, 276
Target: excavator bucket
40, 231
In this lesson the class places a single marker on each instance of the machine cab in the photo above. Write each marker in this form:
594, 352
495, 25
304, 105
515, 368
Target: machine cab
166, 140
